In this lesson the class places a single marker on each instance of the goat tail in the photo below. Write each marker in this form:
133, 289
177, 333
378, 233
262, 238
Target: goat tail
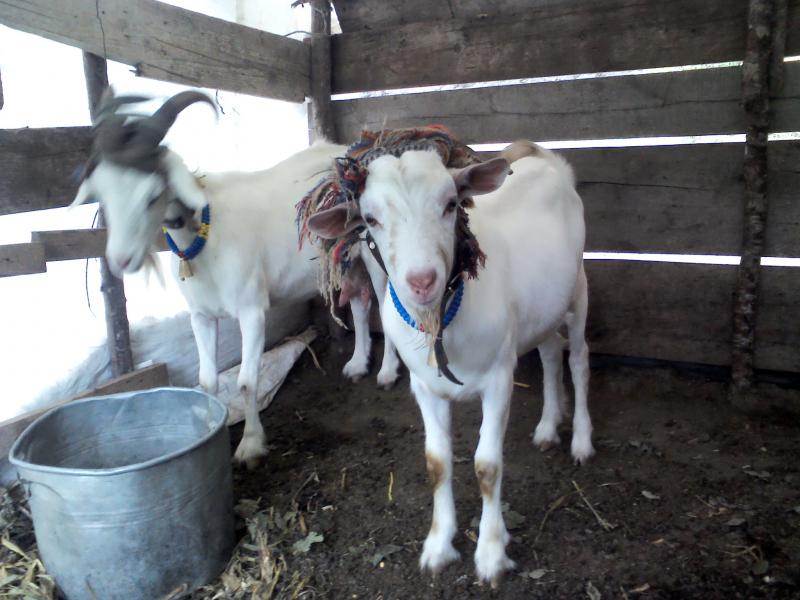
522, 148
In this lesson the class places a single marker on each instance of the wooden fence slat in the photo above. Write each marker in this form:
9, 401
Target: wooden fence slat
553, 39
664, 104
22, 259
777, 333
172, 44
668, 311
682, 199
71, 244
39, 166
141, 379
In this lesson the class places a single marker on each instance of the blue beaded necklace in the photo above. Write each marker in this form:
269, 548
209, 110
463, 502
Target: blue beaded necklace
448, 316
199, 241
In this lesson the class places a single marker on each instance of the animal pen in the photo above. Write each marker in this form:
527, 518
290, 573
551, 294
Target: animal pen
686, 497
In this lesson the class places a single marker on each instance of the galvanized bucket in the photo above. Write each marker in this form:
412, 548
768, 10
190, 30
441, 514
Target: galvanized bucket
131, 494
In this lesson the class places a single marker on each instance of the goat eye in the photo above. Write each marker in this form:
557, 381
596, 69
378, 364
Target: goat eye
451, 206
371, 221
153, 200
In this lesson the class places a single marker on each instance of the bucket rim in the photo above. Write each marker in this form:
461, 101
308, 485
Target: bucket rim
21, 463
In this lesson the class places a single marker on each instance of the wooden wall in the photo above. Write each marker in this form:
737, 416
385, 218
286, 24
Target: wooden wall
683, 199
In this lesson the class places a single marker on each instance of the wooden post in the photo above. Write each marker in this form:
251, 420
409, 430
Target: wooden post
117, 327
758, 62
320, 117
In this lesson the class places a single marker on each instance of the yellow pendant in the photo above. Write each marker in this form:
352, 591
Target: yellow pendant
185, 269
432, 362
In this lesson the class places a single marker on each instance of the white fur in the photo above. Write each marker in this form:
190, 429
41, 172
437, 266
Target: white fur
249, 263
532, 232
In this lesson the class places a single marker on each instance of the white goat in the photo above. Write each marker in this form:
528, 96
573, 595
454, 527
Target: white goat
532, 232
250, 260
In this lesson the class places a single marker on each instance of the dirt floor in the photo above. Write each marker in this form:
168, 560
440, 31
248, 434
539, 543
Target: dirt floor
689, 499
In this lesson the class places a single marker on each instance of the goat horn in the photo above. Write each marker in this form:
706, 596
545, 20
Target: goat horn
109, 104
165, 116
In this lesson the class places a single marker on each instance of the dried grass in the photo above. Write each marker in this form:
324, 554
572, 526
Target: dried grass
262, 566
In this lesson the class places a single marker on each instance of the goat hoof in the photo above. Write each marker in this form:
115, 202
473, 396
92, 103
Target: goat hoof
354, 370
251, 450
437, 553
582, 450
546, 438
491, 562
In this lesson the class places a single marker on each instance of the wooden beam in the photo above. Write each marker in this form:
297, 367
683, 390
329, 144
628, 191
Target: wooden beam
39, 167
172, 44
2, 98
668, 311
682, 199
553, 39
321, 123
71, 244
755, 98
663, 104
22, 259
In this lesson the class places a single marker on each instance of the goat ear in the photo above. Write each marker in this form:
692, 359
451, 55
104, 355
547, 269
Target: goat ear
83, 195
482, 178
182, 182
336, 221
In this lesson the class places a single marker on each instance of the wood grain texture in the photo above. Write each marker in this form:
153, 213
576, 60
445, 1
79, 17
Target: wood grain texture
320, 116
39, 166
71, 244
140, 379
664, 104
777, 331
682, 199
682, 312
553, 39
22, 259
678, 312
171, 44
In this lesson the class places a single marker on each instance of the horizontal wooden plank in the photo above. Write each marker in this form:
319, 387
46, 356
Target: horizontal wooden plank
172, 44
141, 379
778, 320
663, 104
682, 199
71, 244
554, 39
22, 259
668, 311
39, 166
358, 15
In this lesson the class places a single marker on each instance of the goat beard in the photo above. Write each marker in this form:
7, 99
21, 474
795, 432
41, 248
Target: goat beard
430, 320
152, 266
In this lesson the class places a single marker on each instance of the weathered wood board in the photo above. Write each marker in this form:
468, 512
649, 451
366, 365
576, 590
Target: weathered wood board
553, 39
682, 199
172, 44
22, 259
71, 244
141, 379
39, 166
683, 312
684, 103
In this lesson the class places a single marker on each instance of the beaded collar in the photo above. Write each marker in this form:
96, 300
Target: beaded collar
197, 245
449, 315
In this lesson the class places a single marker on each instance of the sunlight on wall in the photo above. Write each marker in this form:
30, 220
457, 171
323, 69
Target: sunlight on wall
46, 323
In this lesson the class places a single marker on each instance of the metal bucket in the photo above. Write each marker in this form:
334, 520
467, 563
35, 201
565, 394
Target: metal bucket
131, 494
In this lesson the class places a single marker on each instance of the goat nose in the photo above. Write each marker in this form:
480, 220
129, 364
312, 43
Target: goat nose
421, 283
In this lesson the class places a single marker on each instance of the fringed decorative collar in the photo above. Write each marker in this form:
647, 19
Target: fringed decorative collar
197, 245
346, 183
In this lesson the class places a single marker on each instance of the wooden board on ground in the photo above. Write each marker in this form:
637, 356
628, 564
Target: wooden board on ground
39, 166
10, 430
553, 39
22, 259
141, 379
172, 44
699, 102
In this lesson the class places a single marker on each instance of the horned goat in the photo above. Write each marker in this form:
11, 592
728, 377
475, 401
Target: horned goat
233, 234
